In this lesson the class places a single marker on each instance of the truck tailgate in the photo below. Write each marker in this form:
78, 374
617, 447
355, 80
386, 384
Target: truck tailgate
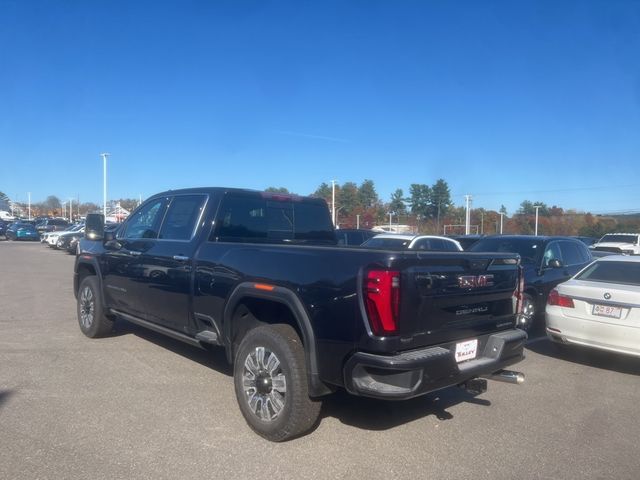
450, 297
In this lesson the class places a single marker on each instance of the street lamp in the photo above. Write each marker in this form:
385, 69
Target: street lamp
467, 225
71, 209
333, 202
536, 207
104, 183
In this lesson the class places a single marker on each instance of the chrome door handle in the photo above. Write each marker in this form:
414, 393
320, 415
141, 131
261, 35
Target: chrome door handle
180, 258
134, 253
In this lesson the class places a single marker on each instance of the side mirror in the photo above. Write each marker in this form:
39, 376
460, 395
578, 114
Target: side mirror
555, 263
94, 226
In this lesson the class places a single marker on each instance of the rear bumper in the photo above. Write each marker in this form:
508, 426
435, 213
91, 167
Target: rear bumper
593, 332
417, 372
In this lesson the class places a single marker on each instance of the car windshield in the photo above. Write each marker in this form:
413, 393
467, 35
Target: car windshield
387, 243
620, 238
529, 249
626, 273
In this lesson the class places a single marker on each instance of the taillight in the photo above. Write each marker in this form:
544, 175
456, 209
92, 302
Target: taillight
517, 294
382, 300
555, 298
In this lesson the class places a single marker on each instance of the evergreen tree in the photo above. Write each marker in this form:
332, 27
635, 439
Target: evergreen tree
420, 196
367, 195
397, 205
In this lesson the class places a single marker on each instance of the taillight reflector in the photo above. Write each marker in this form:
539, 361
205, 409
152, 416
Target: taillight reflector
555, 298
382, 300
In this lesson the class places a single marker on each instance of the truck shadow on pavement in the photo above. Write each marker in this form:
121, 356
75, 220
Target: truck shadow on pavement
587, 356
371, 414
360, 412
4, 396
213, 358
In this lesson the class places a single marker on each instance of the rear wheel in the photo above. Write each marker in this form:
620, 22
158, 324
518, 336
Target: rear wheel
91, 318
270, 379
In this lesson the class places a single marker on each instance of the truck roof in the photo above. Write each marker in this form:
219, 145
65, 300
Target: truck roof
223, 190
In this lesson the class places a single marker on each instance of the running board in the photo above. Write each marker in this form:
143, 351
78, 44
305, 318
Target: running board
158, 328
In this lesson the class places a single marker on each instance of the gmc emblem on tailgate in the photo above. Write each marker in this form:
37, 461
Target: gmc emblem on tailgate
473, 281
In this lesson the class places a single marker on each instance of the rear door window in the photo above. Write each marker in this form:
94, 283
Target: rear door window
571, 253
181, 218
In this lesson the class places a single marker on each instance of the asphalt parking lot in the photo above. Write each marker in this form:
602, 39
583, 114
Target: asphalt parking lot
138, 405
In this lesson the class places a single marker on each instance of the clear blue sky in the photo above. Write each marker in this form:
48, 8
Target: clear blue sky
506, 101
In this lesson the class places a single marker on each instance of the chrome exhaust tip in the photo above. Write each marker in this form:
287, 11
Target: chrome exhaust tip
507, 376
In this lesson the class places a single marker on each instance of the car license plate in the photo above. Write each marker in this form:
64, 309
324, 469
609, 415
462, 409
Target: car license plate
466, 350
607, 311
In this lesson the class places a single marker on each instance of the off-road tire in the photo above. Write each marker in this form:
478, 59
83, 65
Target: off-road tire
293, 412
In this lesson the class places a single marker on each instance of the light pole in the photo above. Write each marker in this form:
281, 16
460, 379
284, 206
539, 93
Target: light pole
104, 183
333, 202
71, 209
358, 220
501, 217
467, 225
29, 197
536, 207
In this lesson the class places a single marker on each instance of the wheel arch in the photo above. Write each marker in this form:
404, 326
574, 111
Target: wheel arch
248, 294
84, 268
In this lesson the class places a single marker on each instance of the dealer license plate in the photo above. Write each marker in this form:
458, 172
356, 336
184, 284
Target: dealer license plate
466, 350
607, 311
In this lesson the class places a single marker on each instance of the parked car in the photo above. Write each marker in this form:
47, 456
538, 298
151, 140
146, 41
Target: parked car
547, 261
393, 241
466, 240
3, 228
620, 243
52, 225
588, 241
353, 236
51, 238
68, 240
599, 307
22, 231
260, 275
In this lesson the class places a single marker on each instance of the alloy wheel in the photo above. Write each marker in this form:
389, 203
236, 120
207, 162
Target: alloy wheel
264, 384
87, 307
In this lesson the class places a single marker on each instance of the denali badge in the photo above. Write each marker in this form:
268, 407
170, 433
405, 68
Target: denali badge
468, 311
472, 281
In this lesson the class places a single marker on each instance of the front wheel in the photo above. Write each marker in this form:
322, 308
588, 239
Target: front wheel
91, 318
270, 379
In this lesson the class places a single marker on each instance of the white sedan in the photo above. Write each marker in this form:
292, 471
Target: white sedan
599, 307
394, 241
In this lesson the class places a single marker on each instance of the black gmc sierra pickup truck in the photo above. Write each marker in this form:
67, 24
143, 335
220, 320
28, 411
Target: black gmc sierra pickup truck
261, 276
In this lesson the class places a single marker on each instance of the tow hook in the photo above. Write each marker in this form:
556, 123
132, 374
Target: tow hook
507, 376
475, 386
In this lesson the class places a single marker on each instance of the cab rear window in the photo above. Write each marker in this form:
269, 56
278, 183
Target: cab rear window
253, 218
